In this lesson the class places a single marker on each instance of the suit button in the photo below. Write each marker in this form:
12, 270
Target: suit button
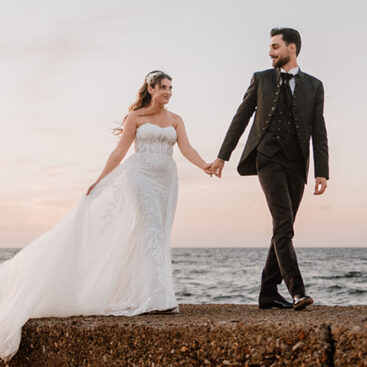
278, 85
263, 128
281, 112
276, 93
278, 137
289, 122
269, 114
273, 108
266, 122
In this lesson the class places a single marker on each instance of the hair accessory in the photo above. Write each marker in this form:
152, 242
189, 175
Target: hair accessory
152, 75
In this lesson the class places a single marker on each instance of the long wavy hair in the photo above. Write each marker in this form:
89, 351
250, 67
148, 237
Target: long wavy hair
143, 98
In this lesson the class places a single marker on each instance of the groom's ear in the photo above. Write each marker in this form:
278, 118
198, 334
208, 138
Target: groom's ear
293, 48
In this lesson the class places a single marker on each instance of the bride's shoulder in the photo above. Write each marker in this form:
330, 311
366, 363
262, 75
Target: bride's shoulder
176, 119
131, 120
134, 115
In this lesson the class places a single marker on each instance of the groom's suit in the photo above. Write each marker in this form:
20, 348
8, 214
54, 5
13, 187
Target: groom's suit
277, 150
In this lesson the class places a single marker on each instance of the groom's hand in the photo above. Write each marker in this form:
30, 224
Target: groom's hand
320, 185
217, 167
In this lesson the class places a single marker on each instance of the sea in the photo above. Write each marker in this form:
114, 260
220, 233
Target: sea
332, 276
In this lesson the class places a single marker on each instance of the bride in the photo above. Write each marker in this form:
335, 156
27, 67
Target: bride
111, 254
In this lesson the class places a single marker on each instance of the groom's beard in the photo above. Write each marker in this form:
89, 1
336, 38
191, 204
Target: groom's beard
281, 61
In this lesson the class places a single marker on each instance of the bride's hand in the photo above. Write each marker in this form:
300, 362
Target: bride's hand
207, 169
91, 188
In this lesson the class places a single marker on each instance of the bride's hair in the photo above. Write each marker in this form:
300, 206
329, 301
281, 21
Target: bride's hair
143, 98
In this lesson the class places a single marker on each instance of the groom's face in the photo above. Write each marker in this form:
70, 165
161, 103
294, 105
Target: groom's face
279, 51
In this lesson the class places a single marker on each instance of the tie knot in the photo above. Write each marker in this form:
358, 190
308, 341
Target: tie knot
286, 77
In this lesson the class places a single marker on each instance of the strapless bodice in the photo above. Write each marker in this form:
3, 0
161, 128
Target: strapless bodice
151, 138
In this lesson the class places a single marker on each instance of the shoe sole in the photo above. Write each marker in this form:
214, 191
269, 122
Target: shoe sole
303, 304
171, 311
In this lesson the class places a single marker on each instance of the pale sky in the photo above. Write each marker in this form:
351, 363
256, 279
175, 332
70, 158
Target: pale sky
69, 70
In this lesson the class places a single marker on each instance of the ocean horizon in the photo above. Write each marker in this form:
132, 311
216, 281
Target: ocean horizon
202, 275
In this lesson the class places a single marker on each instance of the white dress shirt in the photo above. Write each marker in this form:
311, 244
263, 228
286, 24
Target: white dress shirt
292, 82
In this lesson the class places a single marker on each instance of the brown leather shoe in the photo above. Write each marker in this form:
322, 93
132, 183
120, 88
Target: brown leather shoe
301, 302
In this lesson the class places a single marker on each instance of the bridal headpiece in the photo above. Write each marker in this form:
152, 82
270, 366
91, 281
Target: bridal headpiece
152, 75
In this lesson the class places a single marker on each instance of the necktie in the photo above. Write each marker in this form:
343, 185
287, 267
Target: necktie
285, 89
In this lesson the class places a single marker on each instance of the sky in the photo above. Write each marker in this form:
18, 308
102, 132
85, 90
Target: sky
70, 69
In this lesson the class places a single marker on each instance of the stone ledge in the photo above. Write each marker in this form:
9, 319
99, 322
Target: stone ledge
201, 335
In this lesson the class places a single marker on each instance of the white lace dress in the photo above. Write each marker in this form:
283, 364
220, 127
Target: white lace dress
109, 256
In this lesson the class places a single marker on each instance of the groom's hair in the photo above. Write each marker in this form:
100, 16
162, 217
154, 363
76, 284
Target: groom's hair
289, 35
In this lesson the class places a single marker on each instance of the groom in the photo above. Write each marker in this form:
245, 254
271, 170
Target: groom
289, 110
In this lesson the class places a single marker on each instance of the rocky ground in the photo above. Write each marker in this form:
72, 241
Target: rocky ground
201, 335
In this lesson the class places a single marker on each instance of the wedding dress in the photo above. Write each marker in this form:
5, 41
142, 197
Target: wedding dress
109, 256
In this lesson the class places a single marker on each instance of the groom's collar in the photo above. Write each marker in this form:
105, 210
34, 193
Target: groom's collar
296, 74
293, 71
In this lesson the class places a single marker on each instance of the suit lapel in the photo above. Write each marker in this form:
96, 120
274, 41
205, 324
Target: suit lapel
302, 87
273, 85
302, 92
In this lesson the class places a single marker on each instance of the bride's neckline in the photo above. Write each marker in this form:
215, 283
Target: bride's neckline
150, 123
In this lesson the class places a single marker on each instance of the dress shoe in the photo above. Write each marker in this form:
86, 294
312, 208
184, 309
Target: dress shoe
300, 302
274, 302
169, 311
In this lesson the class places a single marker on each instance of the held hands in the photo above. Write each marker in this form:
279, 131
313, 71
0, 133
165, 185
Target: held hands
217, 168
207, 168
320, 181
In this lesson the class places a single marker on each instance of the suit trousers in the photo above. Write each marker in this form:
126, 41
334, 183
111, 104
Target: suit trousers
283, 183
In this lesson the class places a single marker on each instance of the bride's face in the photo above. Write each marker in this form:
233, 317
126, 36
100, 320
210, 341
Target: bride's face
162, 92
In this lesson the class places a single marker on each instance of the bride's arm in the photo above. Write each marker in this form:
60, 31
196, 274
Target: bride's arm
186, 148
118, 154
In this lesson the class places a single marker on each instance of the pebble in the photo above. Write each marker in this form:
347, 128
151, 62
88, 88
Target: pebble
299, 345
